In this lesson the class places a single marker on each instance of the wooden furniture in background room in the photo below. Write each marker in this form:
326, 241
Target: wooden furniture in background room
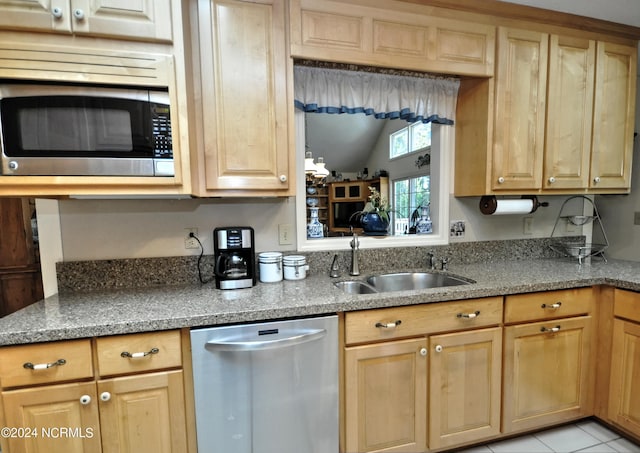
20, 277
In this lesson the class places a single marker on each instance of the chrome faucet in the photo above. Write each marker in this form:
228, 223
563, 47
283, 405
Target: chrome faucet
333, 272
431, 260
355, 243
444, 263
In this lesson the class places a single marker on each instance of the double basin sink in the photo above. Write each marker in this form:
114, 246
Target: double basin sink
400, 281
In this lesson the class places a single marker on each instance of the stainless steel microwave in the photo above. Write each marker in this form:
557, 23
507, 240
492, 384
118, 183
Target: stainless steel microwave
84, 130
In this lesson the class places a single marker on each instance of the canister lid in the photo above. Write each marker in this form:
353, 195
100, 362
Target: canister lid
269, 257
294, 260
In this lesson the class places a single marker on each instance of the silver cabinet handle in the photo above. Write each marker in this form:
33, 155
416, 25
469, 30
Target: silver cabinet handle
137, 355
554, 306
44, 366
296, 338
468, 315
85, 399
550, 330
388, 325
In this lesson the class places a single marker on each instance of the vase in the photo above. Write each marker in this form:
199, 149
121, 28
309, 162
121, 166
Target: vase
373, 224
315, 229
424, 225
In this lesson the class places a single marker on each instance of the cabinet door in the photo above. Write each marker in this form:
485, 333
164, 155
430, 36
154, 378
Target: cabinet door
614, 115
57, 419
547, 373
142, 19
143, 413
521, 84
36, 15
569, 113
386, 397
245, 101
624, 399
464, 382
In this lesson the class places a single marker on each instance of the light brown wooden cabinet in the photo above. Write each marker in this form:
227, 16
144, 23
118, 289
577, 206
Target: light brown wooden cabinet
411, 387
390, 34
247, 104
556, 99
147, 20
136, 404
624, 403
548, 375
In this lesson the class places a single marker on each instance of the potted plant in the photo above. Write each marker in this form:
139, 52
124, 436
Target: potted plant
374, 217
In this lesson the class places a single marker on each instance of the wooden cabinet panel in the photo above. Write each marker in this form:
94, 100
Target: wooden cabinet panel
627, 305
423, 319
547, 373
77, 364
143, 19
386, 397
465, 370
624, 400
614, 115
332, 30
143, 414
142, 347
47, 410
19, 289
548, 305
521, 85
245, 103
569, 113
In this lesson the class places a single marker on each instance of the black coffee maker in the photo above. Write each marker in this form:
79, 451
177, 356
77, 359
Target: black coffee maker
234, 253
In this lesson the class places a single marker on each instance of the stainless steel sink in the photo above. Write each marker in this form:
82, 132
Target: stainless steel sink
355, 287
400, 281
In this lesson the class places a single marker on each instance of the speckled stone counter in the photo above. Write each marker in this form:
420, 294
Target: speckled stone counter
119, 311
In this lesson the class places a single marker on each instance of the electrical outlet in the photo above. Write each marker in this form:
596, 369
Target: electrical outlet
189, 242
285, 234
527, 225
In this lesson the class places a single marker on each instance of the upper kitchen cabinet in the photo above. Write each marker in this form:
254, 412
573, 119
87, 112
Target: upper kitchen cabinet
556, 98
147, 20
243, 116
390, 34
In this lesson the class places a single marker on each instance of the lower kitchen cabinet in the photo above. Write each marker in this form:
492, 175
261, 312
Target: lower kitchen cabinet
548, 363
386, 397
464, 386
430, 391
624, 399
136, 404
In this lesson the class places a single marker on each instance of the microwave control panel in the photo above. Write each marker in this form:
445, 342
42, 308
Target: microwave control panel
162, 145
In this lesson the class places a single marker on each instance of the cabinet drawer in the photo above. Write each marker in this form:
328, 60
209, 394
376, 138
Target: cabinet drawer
548, 305
134, 353
399, 322
627, 305
51, 362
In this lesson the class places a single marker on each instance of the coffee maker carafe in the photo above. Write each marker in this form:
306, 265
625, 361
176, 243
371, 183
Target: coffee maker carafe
234, 253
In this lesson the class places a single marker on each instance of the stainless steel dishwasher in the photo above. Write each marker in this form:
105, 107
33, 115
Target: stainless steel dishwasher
267, 388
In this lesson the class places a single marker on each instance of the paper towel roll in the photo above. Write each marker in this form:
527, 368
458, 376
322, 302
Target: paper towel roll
493, 206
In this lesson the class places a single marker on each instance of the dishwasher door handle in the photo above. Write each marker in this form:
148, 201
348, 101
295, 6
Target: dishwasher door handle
295, 339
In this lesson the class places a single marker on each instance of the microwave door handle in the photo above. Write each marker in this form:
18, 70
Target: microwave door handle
295, 339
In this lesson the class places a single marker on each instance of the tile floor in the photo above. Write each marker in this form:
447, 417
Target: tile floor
586, 436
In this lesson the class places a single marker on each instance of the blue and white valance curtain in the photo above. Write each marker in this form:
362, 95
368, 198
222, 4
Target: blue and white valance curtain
425, 98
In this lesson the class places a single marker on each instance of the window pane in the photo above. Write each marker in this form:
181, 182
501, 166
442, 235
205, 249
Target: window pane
399, 143
420, 136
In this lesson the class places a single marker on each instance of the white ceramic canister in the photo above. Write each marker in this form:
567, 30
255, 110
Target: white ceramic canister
270, 264
295, 267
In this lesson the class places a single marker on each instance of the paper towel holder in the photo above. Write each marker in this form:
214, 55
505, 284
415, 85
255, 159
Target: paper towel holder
489, 204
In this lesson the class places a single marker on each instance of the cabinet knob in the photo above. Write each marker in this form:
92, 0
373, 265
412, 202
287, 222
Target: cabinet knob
596, 179
423, 352
78, 14
283, 178
85, 399
552, 179
56, 12
438, 348
501, 180
105, 396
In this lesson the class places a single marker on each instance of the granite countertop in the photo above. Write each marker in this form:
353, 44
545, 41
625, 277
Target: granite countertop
120, 311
